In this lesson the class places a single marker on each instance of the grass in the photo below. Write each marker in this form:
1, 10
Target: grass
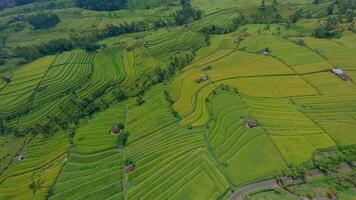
270, 195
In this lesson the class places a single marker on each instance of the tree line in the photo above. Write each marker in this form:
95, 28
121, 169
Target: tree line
101, 5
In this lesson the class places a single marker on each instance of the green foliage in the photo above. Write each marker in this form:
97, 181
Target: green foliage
139, 100
23, 2
101, 5
295, 16
187, 13
122, 139
325, 161
189, 139
327, 29
43, 20
35, 186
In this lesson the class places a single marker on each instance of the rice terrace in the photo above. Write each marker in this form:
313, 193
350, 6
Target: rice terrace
178, 99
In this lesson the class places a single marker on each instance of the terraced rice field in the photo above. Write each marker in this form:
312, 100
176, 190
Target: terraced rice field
303, 60
165, 44
44, 158
107, 67
187, 135
17, 94
223, 19
169, 157
95, 134
94, 161
83, 173
247, 154
9, 146
335, 51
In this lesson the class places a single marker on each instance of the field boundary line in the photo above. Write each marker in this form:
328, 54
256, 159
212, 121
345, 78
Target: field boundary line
211, 152
267, 134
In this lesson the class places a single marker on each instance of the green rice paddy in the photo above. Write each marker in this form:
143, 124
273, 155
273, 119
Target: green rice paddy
187, 133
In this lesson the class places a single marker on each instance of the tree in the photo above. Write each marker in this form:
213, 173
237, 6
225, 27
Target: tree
349, 15
43, 20
140, 100
296, 16
101, 5
277, 18
2, 127
352, 27
263, 4
3, 55
23, 2
240, 20
187, 13
122, 139
330, 9
327, 29
316, 1
6, 79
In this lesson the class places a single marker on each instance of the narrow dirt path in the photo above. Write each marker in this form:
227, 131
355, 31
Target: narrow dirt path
272, 183
269, 184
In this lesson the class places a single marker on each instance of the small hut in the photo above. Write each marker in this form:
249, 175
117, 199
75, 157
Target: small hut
265, 53
129, 168
17, 158
115, 129
340, 73
201, 79
300, 41
251, 123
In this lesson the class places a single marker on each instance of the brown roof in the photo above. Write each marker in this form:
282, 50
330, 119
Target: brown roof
344, 77
115, 129
129, 168
250, 123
